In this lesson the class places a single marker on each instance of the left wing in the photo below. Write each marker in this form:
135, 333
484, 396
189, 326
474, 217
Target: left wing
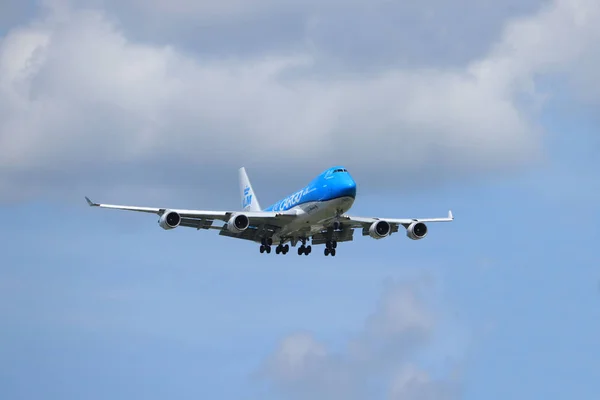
382, 227
201, 219
363, 221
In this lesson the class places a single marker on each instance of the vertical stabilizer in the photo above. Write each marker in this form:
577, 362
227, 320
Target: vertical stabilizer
249, 200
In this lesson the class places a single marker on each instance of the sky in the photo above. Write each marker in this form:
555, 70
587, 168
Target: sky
486, 108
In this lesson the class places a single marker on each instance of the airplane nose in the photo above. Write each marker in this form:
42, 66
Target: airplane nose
348, 189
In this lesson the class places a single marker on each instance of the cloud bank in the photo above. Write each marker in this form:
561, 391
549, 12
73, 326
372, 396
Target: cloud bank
80, 102
376, 364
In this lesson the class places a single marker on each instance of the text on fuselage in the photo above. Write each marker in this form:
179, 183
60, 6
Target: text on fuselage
292, 200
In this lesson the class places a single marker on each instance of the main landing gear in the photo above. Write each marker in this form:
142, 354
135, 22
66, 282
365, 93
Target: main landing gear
330, 247
281, 249
266, 244
304, 250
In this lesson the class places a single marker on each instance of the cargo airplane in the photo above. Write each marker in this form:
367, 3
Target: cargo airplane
316, 213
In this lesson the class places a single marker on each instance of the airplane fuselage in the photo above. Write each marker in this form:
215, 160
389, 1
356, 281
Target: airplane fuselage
325, 198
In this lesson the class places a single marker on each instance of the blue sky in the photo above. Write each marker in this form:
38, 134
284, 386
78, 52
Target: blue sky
502, 303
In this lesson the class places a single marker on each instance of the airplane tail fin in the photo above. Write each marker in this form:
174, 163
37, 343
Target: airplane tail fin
249, 200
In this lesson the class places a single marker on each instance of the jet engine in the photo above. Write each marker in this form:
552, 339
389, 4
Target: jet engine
379, 229
416, 230
169, 220
238, 223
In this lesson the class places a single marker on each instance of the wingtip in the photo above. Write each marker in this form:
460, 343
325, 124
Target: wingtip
90, 203
450, 215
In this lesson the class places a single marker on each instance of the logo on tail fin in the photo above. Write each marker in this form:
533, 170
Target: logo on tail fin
247, 198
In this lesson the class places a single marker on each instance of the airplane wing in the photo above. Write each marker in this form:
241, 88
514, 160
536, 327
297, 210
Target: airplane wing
203, 219
366, 222
416, 227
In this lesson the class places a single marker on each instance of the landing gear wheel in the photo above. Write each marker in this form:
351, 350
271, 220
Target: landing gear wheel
327, 251
304, 250
331, 245
268, 248
269, 241
332, 251
281, 249
262, 248
336, 225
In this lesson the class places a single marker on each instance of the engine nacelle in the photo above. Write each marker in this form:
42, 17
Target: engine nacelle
169, 220
238, 223
380, 229
416, 230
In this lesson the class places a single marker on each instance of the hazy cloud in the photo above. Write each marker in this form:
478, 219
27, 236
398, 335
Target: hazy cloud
80, 101
377, 363
354, 34
411, 383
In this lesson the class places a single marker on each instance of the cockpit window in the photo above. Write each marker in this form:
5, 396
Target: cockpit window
340, 170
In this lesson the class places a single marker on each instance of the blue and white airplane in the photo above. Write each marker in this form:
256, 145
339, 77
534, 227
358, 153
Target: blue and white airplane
316, 213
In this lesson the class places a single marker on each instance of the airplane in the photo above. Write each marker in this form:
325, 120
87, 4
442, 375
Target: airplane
316, 212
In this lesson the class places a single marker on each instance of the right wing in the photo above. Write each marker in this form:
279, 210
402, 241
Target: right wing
203, 219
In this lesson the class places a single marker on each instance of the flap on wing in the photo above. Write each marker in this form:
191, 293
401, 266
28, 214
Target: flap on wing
248, 234
198, 223
345, 235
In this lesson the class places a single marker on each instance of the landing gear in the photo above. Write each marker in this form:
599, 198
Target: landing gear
337, 225
266, 245
329, 251
330, 247
281, 249
304, 250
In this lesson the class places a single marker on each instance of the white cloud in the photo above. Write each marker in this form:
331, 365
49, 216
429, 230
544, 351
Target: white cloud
76, 93
378, 360
411, 383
